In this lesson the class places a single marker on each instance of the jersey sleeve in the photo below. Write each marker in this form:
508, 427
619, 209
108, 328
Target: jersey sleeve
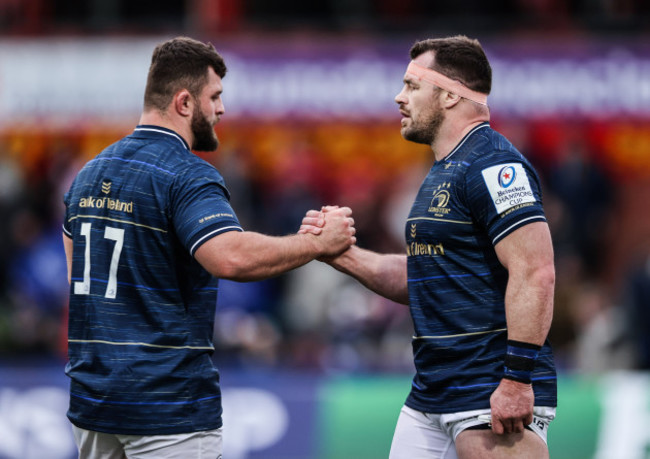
66, 217
69, 209
201, 207
504, 194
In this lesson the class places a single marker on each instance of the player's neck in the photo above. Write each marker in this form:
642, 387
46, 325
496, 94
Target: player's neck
179, 126
452, 132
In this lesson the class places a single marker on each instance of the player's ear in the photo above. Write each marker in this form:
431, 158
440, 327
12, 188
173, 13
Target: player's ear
184, 103
451, 99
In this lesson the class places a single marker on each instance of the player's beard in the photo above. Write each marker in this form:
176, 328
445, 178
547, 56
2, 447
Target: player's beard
205, 139
425, 131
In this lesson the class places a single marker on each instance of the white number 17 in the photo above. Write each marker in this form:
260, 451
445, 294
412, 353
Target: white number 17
114, 234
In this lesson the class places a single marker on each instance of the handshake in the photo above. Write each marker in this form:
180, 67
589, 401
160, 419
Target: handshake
332, 228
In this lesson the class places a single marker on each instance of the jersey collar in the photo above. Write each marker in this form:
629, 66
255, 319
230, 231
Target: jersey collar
467, 136
148, 129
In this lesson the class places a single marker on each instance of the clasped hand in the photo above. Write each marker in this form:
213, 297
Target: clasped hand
333, 225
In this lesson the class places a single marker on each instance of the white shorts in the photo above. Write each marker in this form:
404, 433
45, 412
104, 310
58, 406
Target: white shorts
432, 436
196, 445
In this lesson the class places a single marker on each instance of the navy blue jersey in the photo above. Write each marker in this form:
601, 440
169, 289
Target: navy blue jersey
141, 307
481, 192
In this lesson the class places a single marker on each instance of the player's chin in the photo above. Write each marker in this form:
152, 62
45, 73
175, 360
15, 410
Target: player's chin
405, 131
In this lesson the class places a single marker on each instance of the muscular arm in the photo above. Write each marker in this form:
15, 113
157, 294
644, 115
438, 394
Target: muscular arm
249, 256
384, 274
527, 254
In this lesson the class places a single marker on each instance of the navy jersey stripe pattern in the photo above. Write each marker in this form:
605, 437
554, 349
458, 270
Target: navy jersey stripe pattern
141, 307
469, 201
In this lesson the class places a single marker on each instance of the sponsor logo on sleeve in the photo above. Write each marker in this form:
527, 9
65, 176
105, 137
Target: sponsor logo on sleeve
508, 186
213, 216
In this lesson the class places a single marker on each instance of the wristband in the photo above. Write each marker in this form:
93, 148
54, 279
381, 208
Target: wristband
520, 361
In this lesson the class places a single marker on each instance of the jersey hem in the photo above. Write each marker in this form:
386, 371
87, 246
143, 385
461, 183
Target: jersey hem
137, 431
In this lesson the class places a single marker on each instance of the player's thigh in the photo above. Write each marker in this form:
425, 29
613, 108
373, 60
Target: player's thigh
419, 436
485, 444
195, 445
97, 445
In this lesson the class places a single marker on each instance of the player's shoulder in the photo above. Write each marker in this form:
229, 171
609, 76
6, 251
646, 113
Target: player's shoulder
489, 156
193, 171
491, 148
192, 166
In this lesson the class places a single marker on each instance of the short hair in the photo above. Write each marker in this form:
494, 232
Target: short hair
460, 58
180, 63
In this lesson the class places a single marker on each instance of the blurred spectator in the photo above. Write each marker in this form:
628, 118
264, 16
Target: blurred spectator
11, 189
602, 342
585, 194
338, 325
636, 300
39, 287
34, 289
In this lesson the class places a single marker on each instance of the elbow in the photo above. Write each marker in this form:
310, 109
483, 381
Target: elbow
541, 279
224, 258
546, 277
537, 273
230, 269
235, 268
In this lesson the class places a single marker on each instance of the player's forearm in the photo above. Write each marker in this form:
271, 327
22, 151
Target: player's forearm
384, 274
251, 256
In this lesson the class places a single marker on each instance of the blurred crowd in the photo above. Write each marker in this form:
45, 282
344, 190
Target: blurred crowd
315, 318
214, 17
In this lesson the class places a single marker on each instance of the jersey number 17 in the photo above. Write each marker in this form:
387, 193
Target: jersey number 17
114, 234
